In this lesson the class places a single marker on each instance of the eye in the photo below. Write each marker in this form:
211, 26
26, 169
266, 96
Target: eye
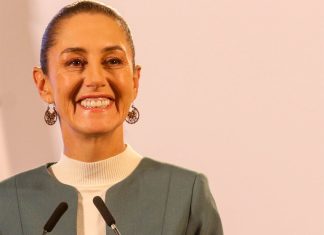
76, 63
113, 61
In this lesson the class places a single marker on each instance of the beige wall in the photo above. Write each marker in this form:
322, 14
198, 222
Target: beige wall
233, 89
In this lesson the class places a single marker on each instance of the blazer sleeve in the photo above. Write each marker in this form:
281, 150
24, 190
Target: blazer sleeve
204, 218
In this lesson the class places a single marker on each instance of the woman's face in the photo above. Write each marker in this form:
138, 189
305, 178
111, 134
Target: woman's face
91, 78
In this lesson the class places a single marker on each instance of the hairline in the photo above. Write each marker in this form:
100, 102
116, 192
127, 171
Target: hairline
67, 17
52, 29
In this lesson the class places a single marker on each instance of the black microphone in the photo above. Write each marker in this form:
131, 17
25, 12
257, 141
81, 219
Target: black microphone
55, 217
102, 208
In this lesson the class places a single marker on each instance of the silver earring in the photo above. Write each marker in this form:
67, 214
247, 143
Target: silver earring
50, 116
133, 115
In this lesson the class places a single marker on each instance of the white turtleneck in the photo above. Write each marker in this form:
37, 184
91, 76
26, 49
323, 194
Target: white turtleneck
94, 179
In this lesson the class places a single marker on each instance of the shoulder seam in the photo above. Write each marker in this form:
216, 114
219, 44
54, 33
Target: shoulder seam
192, 193
18, 204
166, 202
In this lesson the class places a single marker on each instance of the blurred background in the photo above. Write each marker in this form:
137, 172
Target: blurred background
232, 89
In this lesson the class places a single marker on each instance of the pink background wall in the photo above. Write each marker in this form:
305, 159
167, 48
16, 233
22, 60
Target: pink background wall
233, 89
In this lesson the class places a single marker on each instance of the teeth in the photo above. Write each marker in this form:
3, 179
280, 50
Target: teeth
95, 102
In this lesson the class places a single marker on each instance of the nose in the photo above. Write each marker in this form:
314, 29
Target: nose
94, 77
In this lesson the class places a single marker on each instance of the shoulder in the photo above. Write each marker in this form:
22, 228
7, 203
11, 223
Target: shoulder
189, 197
22, 179
26, 174
155, 167
155, 176
177, 178
159, 165
9, 199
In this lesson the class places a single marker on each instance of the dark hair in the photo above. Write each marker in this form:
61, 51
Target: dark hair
48, 39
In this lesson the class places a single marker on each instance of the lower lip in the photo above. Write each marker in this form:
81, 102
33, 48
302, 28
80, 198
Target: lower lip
97, 109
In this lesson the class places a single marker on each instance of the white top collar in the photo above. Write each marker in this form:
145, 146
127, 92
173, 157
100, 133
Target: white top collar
101, 173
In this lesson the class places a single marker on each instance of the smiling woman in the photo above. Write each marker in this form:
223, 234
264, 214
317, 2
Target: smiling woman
92, 81
88, 73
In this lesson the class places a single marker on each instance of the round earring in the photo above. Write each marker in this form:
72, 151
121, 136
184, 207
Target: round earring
50, 116
133, 115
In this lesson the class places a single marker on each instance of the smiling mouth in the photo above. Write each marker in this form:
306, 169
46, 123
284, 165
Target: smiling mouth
95, 103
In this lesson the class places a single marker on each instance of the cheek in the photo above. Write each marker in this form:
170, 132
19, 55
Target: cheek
63, 90
124, 81
67, 82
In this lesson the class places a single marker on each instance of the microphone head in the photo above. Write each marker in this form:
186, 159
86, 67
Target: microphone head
102, 208
55, 217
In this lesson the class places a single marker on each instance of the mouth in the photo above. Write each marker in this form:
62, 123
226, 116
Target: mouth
96, 103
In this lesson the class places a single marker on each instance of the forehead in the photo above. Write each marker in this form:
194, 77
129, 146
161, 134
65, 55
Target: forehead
90, 30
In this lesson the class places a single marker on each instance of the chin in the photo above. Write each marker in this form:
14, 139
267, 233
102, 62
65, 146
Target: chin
99, 129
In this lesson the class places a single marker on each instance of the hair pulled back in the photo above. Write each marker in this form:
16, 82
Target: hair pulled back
48, 39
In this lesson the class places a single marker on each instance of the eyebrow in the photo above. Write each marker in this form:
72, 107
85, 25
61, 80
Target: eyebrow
82, 50
74, 49
113, 48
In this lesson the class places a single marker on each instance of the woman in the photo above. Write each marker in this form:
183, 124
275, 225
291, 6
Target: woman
89, 78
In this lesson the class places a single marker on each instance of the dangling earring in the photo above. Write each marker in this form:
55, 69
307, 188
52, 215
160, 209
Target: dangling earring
50, 116
133, 115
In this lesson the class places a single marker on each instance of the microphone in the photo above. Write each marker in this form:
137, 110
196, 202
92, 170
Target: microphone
55, 217
102, 208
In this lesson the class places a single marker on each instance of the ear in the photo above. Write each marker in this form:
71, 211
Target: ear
43, 85
136, 77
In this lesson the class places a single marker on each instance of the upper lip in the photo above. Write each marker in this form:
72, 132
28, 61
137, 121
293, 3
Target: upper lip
95, 96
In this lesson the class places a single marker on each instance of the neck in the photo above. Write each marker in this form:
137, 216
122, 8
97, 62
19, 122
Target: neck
92, 148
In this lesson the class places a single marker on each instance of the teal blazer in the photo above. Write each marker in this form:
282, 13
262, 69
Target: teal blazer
155, 199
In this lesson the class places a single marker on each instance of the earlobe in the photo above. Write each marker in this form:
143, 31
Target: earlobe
42, 84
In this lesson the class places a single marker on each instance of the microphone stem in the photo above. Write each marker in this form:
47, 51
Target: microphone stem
115, 229
44, 232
